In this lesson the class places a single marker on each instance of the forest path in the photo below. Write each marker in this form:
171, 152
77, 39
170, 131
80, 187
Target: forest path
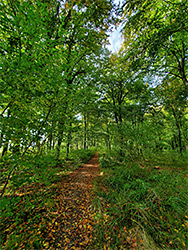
72, 225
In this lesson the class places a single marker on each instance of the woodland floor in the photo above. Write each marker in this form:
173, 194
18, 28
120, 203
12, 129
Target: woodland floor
72, 225
59, 216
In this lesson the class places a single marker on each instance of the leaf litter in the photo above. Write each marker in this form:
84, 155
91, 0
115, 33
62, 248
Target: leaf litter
58, 216
72, 220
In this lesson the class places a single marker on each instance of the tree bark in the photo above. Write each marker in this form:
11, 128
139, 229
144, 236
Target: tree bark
69, 140
85, 132
108, 139
178, 130
6, 144
58, 148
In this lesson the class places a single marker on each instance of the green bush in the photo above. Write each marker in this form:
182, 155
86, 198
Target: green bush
81, 155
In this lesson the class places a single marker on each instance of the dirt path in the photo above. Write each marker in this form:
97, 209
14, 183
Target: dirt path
72, 225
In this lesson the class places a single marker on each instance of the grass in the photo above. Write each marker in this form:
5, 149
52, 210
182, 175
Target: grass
29, 197
141, 208
168, 160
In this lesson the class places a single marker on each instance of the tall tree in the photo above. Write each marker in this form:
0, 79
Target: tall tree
44, 46
156, 33
120, 87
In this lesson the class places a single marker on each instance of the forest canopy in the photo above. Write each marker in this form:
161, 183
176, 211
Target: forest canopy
60, 83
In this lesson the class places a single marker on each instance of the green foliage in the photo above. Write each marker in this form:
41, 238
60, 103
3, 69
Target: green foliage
22, 216
109, 162
158, 36
82, 155
169, 160
63, 90
32, 169
47, 49
29, 198
144, 200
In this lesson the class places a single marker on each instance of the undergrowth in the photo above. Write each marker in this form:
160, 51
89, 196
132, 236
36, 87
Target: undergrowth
140, 207
28, 200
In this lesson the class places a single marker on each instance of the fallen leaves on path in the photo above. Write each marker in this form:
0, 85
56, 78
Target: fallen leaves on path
72, 221
55, 216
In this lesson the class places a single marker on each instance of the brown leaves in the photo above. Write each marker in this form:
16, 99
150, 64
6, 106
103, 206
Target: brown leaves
72, 223
57, 216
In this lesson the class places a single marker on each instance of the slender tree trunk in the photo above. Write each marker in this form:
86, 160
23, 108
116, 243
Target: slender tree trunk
5, 148
108, 139
58, 148
68, 148
50, 140
50, 143
6, 144
85, 132
178, 130
60, 138
53, 144
179, 138
69, 140
76, 142
172, 145
121, 136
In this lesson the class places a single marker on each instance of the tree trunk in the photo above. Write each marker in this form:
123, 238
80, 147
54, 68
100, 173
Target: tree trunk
121, 135
85, 132
69, 139
68, 147
178, 130
6, 144
50, 140
5, 148
60, 137
58, 148
108, 139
